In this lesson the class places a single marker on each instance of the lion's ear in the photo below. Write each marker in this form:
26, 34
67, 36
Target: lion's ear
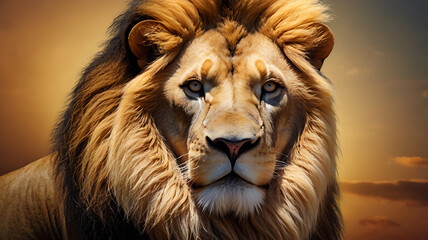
141, 42
323, 47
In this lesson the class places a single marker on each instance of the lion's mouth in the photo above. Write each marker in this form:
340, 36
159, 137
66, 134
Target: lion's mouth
232, 179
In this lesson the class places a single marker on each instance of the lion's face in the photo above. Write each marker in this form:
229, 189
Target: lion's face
227, 119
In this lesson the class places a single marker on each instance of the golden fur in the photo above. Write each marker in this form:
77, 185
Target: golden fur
122, 153
31, 203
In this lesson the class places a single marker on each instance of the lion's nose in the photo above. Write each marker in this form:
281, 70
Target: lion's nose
233, 148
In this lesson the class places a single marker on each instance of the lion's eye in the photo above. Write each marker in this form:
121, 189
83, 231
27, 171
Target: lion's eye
193, 89
194, 86
270, 87
272, 92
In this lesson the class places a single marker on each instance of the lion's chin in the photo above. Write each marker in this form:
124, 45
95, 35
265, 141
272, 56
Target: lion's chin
230, 196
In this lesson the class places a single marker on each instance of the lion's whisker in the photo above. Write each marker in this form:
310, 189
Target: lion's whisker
179, 157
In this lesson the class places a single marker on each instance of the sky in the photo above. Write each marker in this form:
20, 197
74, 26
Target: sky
378, 69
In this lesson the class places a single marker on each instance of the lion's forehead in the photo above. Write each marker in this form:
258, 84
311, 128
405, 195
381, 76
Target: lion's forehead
252, 56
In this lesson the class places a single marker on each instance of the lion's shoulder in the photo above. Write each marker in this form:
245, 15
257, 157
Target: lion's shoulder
31, 204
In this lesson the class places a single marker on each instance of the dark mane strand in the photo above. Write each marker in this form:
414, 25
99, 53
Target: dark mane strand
68, 157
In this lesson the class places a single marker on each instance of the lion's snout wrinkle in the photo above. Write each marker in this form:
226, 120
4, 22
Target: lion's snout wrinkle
233, 125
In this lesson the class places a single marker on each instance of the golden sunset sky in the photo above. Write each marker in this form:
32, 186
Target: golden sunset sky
378, 68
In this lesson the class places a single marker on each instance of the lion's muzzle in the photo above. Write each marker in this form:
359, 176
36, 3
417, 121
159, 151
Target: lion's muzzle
232, 141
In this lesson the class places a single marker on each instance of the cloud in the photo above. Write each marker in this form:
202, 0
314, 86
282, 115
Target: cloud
412, 161
409, 192
378, 221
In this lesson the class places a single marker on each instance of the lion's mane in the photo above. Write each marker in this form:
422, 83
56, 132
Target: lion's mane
121, 179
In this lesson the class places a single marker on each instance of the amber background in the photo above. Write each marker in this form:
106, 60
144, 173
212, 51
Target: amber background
378, 68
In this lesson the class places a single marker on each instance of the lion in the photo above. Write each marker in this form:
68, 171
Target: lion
200, 119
